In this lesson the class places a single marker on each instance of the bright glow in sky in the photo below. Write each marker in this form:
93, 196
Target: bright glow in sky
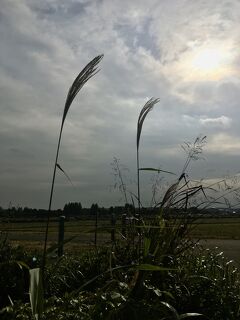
213, 63
209, 60
208, 63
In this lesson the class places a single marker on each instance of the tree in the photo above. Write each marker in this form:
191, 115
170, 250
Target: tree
94, 208
72, 208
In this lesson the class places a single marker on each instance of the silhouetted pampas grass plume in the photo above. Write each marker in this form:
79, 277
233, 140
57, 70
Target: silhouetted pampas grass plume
88, 72
145, 110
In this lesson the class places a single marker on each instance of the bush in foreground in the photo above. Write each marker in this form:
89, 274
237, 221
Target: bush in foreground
196, 282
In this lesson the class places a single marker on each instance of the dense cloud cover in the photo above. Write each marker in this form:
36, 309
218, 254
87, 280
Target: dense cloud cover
155, 48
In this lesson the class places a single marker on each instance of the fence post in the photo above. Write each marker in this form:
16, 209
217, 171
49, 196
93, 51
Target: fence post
61, 235
113, 224
96, 226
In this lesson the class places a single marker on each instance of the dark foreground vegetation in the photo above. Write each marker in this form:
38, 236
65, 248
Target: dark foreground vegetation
173, 282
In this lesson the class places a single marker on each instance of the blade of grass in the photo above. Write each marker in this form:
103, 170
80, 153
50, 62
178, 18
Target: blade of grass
157, 170
61, 169
36, 292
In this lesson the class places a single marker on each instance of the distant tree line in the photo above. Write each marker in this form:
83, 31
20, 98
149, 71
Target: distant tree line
76, 210
71, 209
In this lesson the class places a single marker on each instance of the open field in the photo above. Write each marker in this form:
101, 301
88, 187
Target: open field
215, 232
217, 228
209, 228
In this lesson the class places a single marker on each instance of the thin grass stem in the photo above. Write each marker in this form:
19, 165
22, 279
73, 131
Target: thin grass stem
88, 72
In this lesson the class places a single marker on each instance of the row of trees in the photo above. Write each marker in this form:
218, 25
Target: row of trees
71, 209
75, 209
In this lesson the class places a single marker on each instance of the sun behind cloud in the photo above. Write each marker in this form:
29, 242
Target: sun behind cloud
213, 63
209, 59
210, 62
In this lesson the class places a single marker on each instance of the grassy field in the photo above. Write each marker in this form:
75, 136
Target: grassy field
32, 233
219, 228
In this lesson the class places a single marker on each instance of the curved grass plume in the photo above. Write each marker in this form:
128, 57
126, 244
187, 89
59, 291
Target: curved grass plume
145, 110
88, 72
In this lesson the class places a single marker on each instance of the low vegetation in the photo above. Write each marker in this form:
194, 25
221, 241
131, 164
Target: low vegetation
104, 284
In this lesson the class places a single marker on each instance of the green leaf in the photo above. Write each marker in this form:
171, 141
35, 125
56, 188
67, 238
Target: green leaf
115, 295
167, 293
147, 243
61, 169
151, 267
22, 264
162, 224
170, 310
36, 292
190, 315
157, 170
199, 277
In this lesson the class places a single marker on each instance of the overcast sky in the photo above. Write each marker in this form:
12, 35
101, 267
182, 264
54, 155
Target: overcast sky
184, 52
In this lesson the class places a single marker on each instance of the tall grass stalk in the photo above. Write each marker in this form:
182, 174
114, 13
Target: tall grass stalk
145, 110
118, 175
88, 72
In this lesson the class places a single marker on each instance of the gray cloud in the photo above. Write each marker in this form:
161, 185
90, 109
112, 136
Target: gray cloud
147, 49
222, 122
